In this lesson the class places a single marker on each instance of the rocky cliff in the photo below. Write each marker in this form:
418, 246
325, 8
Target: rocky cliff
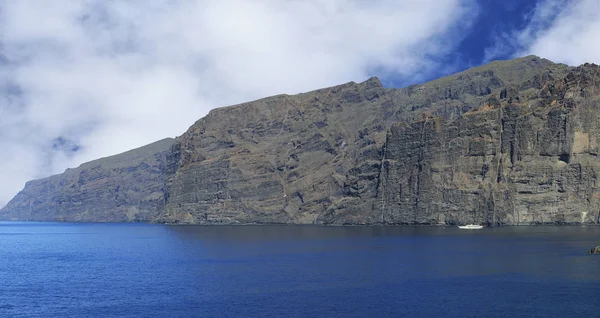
521, 157
511, 142
125, 187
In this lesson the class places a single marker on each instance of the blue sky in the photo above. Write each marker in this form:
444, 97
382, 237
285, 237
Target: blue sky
491, 33
493, 18
83, 79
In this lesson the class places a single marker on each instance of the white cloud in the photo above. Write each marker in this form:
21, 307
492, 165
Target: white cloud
113, 75
564, 31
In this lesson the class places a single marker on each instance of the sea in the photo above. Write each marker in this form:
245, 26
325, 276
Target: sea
145, 270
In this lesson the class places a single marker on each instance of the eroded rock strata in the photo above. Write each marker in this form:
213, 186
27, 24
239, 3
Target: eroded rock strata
121, 188
511, 142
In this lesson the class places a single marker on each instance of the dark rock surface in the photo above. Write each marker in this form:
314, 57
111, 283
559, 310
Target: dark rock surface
326, 156
125, 187
511, 142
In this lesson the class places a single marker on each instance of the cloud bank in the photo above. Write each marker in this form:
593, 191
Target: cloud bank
564, 31
82, 79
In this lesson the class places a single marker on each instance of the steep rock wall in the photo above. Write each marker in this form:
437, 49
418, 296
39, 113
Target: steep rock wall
515, 160
121, 188
317, 157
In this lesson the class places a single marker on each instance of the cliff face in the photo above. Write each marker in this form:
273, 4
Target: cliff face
278, 160
517, 159
320, 157
125, 187
511, 142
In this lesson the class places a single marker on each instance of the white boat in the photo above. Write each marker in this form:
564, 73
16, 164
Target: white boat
471, 227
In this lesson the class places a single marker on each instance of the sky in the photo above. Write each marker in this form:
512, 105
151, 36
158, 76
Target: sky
84, 79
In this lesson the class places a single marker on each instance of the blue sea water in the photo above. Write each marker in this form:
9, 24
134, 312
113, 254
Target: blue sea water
140, 270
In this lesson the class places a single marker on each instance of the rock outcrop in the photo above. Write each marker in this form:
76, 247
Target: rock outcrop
516, 159
595, 250
121, 188
511, 142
